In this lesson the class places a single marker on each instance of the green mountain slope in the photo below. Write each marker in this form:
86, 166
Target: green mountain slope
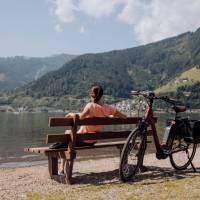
187, 78
189, 94
145, 67
18, 70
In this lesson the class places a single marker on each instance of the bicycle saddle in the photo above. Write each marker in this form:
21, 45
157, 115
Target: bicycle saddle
179, 109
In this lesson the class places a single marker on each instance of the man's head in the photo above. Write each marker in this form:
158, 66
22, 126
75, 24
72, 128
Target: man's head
96, 92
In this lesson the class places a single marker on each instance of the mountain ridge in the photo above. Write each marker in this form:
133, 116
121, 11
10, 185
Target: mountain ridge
18, 70
145, 67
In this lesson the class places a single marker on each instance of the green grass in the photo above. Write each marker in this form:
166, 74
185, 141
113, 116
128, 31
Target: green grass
188, 77
161, 189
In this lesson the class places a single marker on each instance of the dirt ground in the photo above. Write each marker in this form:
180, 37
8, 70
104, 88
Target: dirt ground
15, 183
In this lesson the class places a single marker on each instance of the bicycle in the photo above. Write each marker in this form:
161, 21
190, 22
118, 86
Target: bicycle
178, 146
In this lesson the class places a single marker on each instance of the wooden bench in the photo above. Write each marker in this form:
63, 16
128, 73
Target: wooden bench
70, 153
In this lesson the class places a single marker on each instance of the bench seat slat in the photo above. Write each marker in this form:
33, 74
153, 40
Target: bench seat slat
103, 145
43, 150
36, 149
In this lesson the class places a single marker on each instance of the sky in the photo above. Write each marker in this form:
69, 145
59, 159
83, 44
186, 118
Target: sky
38, 28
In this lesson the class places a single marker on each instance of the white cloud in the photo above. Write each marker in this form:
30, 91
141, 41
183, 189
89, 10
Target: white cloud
64, 10
82, 30
151, 20
156, 19
58, 28
98, 8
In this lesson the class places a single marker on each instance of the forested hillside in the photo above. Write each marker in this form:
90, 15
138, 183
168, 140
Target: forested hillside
17, 71
145, 67
187, 78
189, 94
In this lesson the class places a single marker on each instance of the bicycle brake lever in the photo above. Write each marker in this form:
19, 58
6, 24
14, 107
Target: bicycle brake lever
135, 92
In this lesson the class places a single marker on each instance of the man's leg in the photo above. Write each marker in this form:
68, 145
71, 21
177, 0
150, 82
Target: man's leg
63, 161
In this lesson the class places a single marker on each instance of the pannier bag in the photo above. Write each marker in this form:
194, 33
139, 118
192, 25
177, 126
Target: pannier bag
196, 131
185, 130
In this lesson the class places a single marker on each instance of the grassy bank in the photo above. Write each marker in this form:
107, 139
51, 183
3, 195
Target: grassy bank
164, 188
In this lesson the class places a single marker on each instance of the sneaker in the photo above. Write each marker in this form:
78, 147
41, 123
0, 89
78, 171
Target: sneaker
61, 173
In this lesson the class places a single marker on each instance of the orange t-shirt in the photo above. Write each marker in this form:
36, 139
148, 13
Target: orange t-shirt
96, 110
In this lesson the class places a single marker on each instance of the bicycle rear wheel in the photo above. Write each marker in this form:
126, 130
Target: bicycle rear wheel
132, 155
182, 153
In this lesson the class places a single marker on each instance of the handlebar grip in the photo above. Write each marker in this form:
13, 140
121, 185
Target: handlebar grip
169, 100
135, 92
172, 101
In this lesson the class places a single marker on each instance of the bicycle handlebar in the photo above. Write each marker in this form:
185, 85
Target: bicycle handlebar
152, 96
168, 100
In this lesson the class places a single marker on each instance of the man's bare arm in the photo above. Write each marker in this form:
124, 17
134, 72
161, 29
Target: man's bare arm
119, 114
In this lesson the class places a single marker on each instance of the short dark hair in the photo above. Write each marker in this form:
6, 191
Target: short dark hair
96, 92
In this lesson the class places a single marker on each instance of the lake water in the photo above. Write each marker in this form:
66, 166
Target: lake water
30, 129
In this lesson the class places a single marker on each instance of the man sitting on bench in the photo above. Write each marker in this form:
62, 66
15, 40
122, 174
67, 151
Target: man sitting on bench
96, 108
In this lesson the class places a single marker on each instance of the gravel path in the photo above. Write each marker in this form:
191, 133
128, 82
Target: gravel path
15, 183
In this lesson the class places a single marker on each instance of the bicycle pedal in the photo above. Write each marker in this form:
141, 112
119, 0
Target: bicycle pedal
166, 151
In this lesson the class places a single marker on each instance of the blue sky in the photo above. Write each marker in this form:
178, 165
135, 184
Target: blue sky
47, 27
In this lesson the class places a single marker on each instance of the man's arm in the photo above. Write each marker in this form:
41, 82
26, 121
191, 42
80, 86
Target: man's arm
82, 115
119, 114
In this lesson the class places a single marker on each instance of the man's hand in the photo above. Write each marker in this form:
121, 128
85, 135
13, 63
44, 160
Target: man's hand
69, 115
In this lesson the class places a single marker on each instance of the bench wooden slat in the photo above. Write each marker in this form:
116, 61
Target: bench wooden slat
103, 145
44, 150
62, 121
108, 121
51, 138
36, 149
57, 137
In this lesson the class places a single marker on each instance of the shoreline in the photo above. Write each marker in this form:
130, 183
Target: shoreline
133, 112
41, 160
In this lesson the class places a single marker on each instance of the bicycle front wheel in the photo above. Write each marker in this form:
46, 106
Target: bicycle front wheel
182, 153
132, 155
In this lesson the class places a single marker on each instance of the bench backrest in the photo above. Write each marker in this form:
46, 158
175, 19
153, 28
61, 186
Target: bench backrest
62, 121
75, 122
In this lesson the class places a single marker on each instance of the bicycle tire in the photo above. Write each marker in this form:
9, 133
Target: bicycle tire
183, 155
132, 150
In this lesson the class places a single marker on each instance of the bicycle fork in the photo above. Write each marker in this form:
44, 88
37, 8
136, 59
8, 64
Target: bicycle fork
142, 152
